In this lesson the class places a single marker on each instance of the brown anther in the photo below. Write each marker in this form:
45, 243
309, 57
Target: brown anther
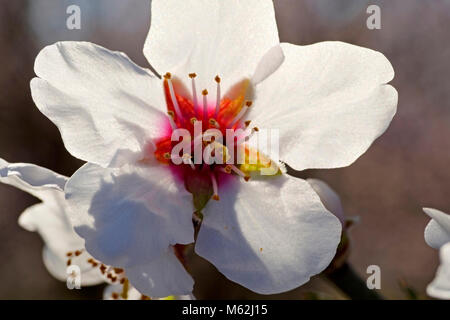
171, 114
261, 249
216, 197
118, 270
214, 123
69, 254
94, 264
69, 262
246, 178
90, 260
113, 279
192, 75
166, 155
248, 103
217, 78
78, 252
144, 297
168, 76
205, 92
227, 169
115, 295
256, 129
193, 120
247, 123
102, 268
122, 281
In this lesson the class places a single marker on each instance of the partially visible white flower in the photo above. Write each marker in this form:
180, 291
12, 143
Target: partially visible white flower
49, 218
440, 286
63, 247
437, 235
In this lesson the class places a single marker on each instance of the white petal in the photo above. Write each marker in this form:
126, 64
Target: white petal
162, 277
52, 223
37, 181
268, 64
100, 100
440, 286
437, 232
57, 267
269, 236
210, 37
329, 102
329, 198
130, 215
50, 220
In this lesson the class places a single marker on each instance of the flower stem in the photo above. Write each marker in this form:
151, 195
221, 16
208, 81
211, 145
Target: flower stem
350, 283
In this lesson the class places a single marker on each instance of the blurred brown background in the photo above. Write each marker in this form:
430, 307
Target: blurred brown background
406, 169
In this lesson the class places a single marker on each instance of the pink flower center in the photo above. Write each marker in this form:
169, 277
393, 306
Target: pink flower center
205, 113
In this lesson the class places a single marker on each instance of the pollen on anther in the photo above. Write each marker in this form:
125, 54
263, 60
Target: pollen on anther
246, 178
217, 78
214, 123
78, 252
248, 103
247, 123
193, 120
69, 262
216, 197
118, 270
205, 92
227, 169
168, 76
192, 75
102, 268
115, 295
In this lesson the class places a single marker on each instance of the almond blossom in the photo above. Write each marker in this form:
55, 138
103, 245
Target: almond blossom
62, 246
49, 218
224, 68
437, 236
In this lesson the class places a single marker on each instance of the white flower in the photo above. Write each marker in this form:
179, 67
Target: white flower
440, 286
49, 218
131, 203
437, 235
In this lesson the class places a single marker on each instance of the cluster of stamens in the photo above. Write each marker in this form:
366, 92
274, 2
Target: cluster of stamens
213, 120
112, 275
